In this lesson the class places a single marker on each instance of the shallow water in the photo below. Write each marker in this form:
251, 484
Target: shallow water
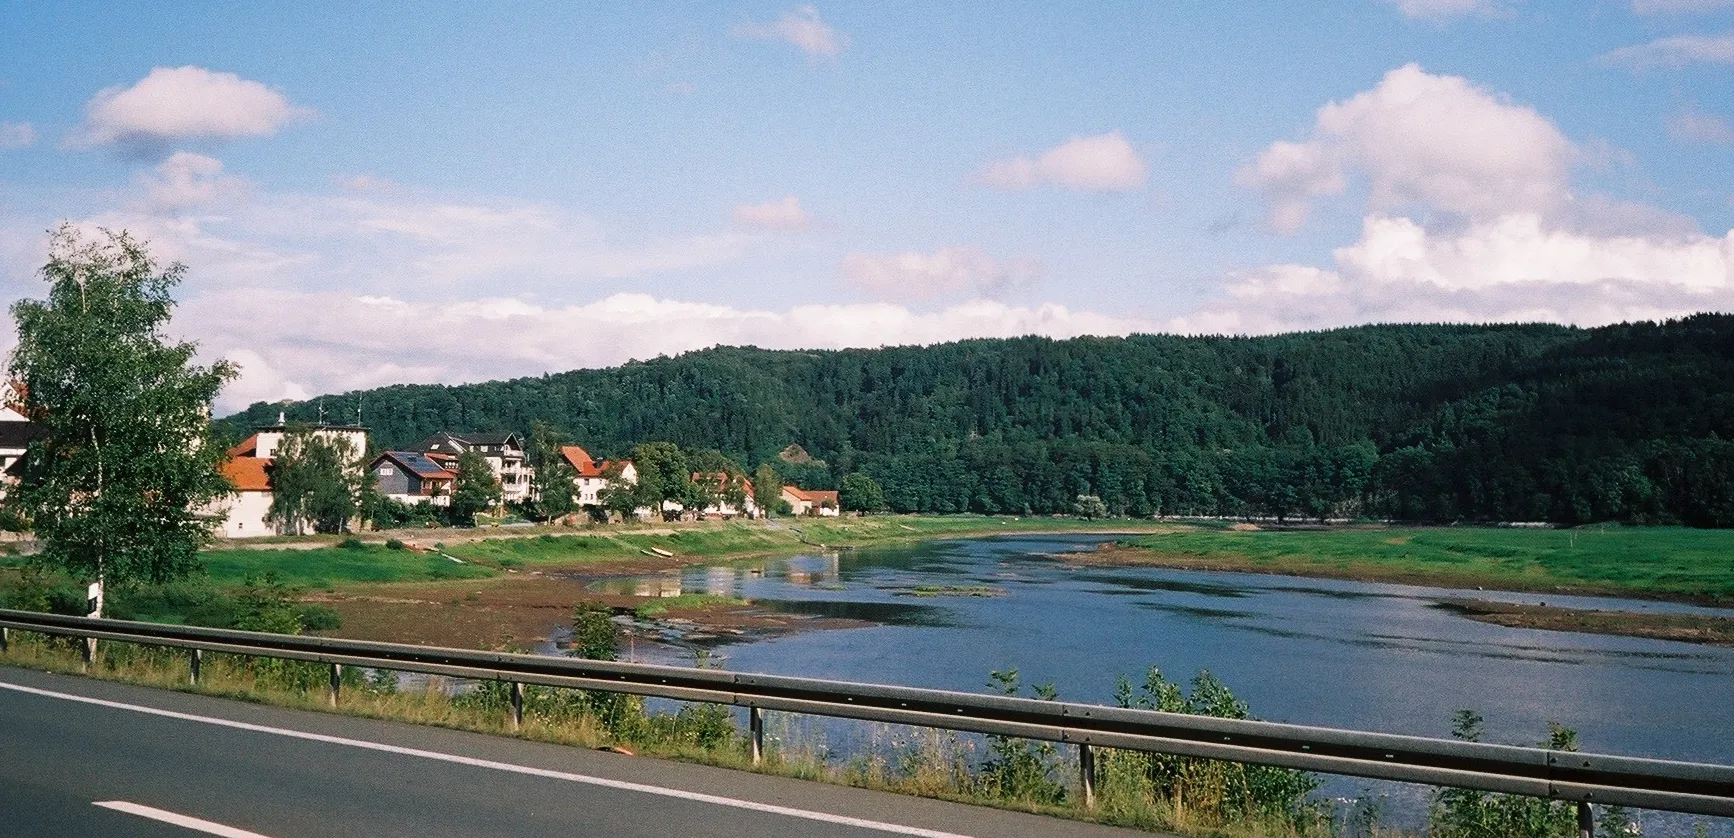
1321, 652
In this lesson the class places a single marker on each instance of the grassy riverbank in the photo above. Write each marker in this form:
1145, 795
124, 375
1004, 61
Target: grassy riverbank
1672, 563
321, 563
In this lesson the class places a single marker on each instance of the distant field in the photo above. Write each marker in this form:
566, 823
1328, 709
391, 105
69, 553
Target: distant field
1671, 562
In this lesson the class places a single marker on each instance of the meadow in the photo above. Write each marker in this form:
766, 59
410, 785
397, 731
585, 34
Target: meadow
1652, 562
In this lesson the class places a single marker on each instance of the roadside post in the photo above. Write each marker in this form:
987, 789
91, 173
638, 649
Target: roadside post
93, 608
756, 733
1087, 774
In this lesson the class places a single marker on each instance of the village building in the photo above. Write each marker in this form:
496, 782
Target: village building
719, 483
503, 451
811, 502
16, 433
246, 512
412, 477
592, 474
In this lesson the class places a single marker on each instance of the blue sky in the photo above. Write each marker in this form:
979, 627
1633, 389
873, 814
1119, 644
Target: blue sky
367, 195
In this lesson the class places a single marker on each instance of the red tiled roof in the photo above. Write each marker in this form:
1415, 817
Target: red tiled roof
248, 474
811, 495
247, 448
587, 466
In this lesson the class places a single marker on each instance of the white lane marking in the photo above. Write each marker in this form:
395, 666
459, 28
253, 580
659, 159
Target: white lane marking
661, 791
186, 821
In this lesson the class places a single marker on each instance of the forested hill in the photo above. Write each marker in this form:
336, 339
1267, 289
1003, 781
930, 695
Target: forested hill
1501, 422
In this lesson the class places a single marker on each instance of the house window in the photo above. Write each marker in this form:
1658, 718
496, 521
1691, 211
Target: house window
387, 471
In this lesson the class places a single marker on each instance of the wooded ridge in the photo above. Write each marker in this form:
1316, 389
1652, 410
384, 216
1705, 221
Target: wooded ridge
1516, 422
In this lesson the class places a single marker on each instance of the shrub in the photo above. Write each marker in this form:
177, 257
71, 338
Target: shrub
393, 544
351, 544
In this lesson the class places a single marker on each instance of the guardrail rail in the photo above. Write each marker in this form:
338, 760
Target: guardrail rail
1584, 778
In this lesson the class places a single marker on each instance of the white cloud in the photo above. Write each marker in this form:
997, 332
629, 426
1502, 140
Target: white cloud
1105, 163
1648, 7
331, 342
1441, 9
801, 28
1513, 268
1675, 52
1419, 138
389, 241
786, 214
946, 272
187, 181
184, 103
1693, 126
16, 135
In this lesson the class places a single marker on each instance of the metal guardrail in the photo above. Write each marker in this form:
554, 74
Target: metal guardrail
1584, 778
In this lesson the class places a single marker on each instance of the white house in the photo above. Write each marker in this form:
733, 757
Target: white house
16, 432
718, 482
592, 474
245, 513
811, 501
504, 453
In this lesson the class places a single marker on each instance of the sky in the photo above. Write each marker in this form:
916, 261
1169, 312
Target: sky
367, 194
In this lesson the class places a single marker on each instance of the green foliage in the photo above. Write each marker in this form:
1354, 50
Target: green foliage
594, 635
861, 493
117, 486
768, 490
393, 544
1218, 792
1510, 422
475, 490
351, 544
663, 476
1464, 813
1089, 506
1019, 769
554, 476
316, 481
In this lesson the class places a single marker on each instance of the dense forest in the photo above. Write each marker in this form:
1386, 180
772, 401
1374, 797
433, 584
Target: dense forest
1633, 422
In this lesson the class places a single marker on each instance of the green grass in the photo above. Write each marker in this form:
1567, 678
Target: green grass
656, 608
324, 566
1673, 562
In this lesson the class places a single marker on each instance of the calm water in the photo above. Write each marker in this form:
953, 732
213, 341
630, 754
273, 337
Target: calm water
1341, 654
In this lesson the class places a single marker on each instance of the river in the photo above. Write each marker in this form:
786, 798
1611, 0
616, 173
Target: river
1310, 651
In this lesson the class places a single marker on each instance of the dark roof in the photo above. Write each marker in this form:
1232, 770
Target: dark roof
414, 462
493, 439
443, 439
19, 434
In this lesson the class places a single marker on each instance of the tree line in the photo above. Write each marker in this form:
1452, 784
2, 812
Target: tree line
1631, 422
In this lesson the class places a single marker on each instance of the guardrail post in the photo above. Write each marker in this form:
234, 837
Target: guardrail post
517, 705
1586, 824
1087, 774
5, 640
87, 653
193, 662
756, 733
336, 683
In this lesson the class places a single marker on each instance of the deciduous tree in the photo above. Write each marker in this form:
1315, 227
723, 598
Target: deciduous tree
315, 482
126, 465
475, 490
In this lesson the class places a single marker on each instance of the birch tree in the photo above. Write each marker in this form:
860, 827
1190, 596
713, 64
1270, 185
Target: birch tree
126, 464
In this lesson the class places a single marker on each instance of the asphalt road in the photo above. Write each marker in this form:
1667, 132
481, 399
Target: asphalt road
80, 757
